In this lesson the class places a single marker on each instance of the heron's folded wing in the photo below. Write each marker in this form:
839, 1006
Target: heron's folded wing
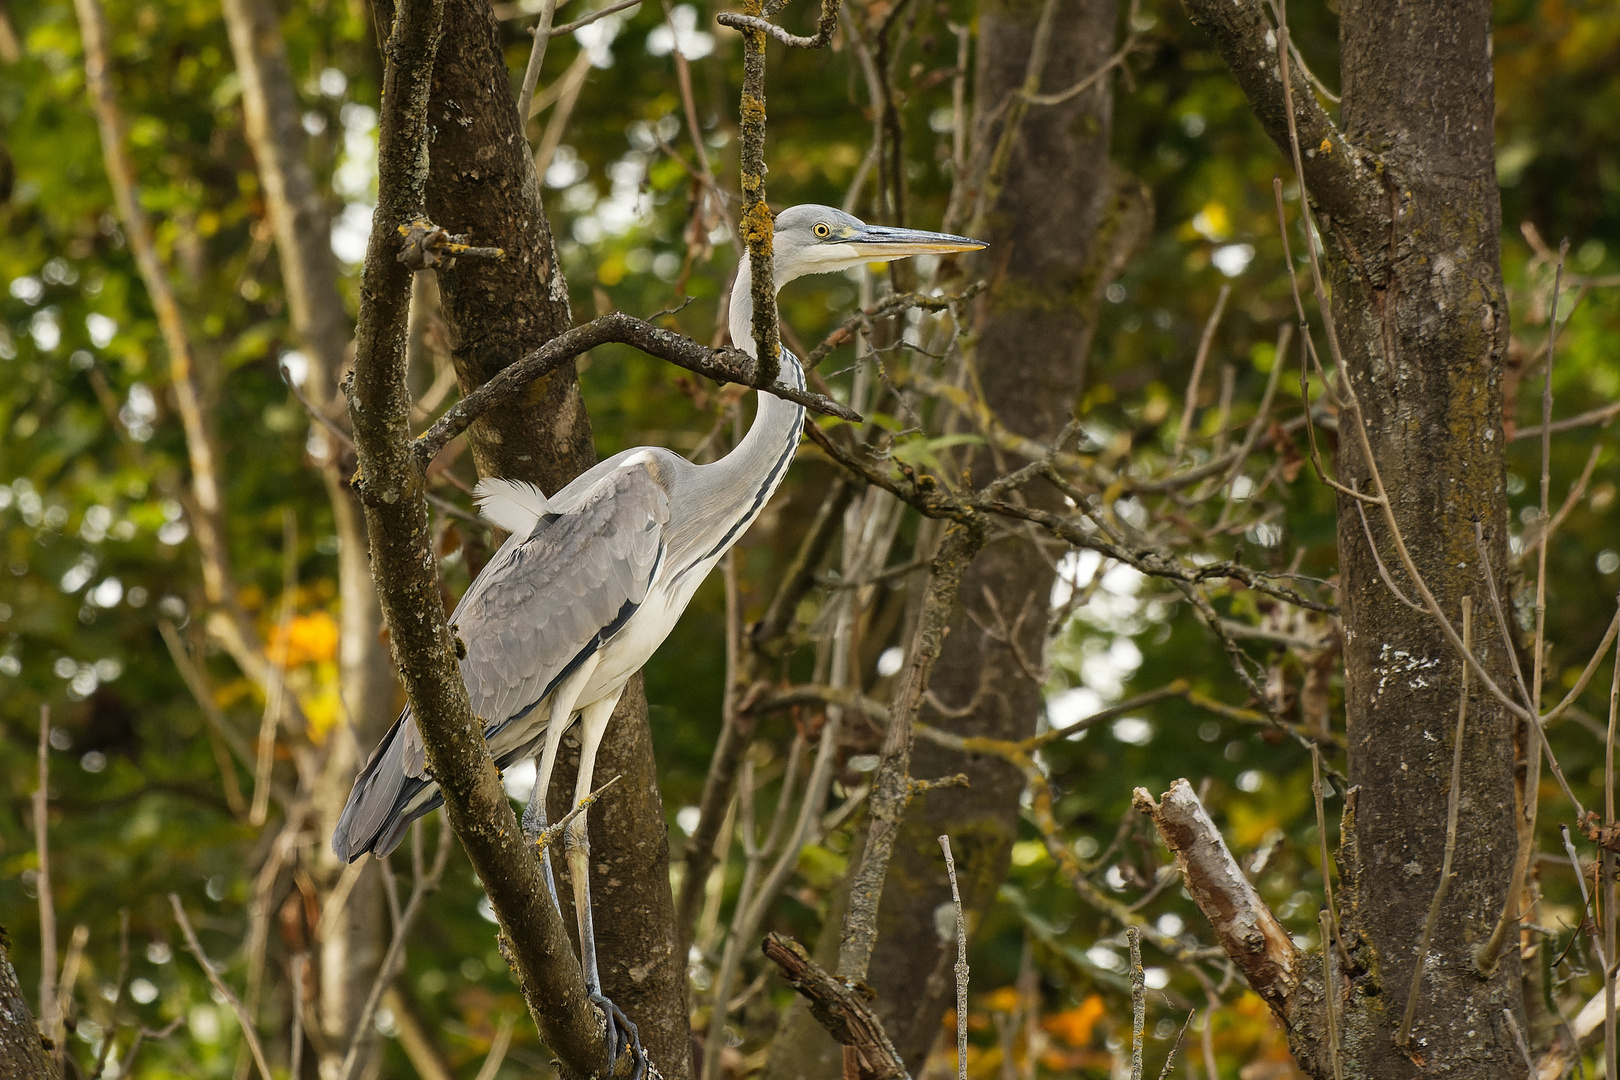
545, 603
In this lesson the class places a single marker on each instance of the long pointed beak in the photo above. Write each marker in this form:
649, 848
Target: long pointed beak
881, 243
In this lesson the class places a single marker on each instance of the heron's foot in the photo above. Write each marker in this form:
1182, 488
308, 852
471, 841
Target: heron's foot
622, 1036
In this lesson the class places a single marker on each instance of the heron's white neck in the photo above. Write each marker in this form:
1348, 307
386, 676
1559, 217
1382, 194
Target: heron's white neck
742, 305
759, 460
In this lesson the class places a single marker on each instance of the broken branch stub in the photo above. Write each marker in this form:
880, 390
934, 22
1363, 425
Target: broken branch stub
1248, 931
840, 1007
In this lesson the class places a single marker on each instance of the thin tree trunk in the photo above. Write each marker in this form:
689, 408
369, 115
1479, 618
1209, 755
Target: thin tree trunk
1059, 225
483, 184
350, 955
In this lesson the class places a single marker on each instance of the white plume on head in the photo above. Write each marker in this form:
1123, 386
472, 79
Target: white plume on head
515, 505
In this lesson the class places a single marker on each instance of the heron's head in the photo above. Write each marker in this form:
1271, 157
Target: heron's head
813, 239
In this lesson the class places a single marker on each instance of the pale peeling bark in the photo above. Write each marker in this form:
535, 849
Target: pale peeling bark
1244, 926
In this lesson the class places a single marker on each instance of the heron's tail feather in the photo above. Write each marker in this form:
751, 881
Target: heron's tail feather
386, 797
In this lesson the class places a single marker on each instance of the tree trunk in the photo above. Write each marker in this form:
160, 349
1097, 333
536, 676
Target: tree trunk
1425, 330
22, 1048
483, 184
351, 955
1407, 196
1059, 227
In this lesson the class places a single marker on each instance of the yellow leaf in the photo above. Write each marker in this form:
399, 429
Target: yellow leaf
1074, 1026
309, 638
1004, 999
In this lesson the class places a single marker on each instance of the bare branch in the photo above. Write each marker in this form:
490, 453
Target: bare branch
823, 34
756, 224
50, 1014
425, 883
1330, 995
537, 55
208, 522
1248, 43
1191, 404
224, 991
611, 9
722, 365
1243, 924
391, 488
497, 1049
1133, 934
841, 1009
892, 787
1592, 417
1131, 44
961, 962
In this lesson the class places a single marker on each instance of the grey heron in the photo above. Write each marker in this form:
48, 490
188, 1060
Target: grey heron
594, 577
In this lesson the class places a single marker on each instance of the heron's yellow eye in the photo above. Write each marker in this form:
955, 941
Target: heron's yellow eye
821, 229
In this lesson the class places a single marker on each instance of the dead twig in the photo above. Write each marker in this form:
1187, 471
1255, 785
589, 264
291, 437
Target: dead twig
841, 1008
497, 1048
1330, 993
1133, 935
119, 994
49, 1014
537, 55
423, 885
1191, 404
242, 1018
1518, 1040
961, 968
586, 20
1244, 926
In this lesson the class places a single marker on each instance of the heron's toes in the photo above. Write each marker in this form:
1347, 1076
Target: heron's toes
534, 819
622, 1036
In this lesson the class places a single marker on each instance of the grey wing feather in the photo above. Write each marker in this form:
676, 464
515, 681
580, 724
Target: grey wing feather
539, 608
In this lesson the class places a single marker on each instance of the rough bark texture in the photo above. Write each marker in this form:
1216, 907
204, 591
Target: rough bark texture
349, 956
840, 1009
1417, 293
22, 1050
1424, 329
483, 184
392, 489
1059, 230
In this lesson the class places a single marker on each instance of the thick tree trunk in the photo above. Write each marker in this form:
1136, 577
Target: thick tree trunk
1407, 196
22, 1050
1424, 329
1059, 229
483, 184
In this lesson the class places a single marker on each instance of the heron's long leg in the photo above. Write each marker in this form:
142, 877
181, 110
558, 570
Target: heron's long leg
621, 1033
593, 722
563, 699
